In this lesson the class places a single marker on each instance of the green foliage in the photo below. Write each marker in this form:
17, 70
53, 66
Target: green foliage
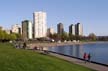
102, 38
64, 36
54, 36
18, 36
92, 36
72, 37
25, 60
13, 37
6, 37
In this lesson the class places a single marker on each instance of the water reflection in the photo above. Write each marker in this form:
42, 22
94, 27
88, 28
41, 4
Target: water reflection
73, 50
98, 51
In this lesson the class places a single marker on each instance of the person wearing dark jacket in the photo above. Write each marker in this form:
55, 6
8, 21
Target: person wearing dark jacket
24, 45
89, 57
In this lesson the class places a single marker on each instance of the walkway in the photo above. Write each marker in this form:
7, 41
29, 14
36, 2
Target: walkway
80, 62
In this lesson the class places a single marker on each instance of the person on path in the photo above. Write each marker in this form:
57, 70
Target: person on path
85, 57
89, 57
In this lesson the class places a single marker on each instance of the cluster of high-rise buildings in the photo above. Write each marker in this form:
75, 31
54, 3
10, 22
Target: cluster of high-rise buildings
76, 29
38, 27
33, 29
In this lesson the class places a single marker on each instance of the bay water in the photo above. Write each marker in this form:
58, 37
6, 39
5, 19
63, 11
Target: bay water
98, 51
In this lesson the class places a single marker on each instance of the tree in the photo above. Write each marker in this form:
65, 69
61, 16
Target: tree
13, 37
64, 36
92, 36
71, 37
54, 36
6, 37
18, 36
1, 34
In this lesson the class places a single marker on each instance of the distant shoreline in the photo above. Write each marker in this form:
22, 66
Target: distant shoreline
50, 44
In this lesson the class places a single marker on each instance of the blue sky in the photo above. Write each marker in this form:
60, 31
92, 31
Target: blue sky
93, 14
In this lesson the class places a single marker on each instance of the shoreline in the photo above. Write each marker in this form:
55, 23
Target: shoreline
92, 65
55, 44
94, 62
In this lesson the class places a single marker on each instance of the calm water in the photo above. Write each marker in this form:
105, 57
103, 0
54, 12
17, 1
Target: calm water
98, 51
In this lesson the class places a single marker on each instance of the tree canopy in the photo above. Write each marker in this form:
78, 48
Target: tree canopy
7, 37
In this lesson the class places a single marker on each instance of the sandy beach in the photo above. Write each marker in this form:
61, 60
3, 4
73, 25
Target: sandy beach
50, 44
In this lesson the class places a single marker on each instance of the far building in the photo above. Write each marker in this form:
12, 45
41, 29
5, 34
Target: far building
79, 29
16, 29
72, 29
50, 31
40, 24
60, 29
27, 32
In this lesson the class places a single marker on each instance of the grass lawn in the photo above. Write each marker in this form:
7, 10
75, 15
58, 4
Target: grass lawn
12, 59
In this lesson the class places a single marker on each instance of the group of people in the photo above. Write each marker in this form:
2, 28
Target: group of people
19, 45
86, 57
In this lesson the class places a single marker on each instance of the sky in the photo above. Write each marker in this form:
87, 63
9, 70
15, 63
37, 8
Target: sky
92, 14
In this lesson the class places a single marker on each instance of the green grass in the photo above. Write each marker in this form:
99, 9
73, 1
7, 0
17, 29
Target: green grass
12, 59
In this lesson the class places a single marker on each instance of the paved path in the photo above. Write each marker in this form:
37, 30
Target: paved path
80, 62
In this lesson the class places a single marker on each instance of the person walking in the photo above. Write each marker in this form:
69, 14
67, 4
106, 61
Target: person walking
85, 57
89, 57
24, 45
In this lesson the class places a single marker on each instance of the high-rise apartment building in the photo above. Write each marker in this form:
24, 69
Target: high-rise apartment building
50, 31
79, 29
40, 25
27, 29
72, 29
60, 28
16, 29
